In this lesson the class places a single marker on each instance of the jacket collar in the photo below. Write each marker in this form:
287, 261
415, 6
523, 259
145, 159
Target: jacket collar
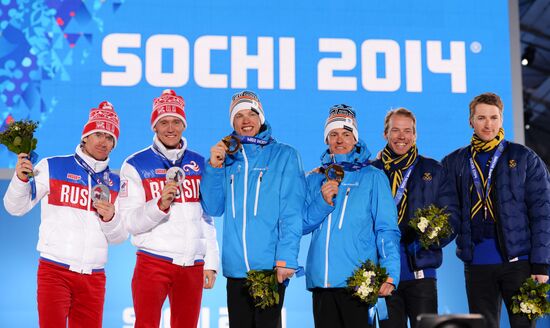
170, 154
97, 166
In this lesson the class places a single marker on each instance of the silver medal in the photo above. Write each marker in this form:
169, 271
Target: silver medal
177, 175
100, 192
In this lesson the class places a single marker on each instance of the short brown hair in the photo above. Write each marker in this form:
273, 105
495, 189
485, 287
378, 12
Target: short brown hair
487, 98
399, 111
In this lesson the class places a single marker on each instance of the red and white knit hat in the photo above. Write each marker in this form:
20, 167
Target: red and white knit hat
103, 119
168, 104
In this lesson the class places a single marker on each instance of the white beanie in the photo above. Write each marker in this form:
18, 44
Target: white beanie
341, 117
245, 100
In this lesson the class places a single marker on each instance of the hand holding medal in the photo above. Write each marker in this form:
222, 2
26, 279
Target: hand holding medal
100, 201
233, 144
174, 179
334, 174
218, 152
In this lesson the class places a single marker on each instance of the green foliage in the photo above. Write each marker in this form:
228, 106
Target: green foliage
431, 225
532, 300
365, 282
18, 137
263, 288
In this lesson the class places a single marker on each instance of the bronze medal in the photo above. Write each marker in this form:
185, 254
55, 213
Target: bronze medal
233, 144
335, 172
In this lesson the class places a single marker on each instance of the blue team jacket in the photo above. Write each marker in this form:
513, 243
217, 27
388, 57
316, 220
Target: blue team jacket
261, 192
361, 225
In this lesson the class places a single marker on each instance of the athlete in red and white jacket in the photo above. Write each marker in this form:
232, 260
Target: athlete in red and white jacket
177, 248
75, 229
183, 233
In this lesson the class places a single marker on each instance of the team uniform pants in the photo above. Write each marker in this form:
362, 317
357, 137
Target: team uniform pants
243, 313
412, 298
489, 284
337, 308
66, 295
154, 279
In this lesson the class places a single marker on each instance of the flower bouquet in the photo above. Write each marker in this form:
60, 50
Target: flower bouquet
263, 288
431, 224
532, 300
18, 137
365, 282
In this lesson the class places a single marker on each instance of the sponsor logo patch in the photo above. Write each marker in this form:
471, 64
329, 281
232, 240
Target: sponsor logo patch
123, 188
72, 176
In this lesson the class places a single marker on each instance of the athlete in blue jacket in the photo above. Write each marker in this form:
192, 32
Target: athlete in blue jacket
261, 189
504, 193
416, 182
350, 222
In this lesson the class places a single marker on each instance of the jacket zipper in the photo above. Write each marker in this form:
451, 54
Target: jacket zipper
231, 181
258, 192
326, 249
343, 209
244, 208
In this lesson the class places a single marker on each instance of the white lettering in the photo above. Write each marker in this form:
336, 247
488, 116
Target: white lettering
155, 188
380, 61
455, 65
327, 66
413, 66
64, 197
223, 320
111, 56
369, 69
203, 47
241, 62
153, 66
287, 64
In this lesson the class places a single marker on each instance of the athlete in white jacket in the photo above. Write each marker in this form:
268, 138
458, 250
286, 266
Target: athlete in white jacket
75, 228
177, 249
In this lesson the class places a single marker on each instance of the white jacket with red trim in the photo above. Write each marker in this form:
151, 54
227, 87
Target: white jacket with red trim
71, 231
184, 234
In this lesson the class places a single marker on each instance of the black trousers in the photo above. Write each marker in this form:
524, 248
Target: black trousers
488, 285
412, 298
336, 308
243, 313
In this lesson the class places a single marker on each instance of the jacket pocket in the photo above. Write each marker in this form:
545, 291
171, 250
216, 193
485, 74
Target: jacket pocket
341, 221
232, 183
258, 184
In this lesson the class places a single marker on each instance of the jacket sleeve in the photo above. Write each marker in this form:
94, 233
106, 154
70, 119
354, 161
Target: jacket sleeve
17, 199
138, 215
114, 230
387, 232
316, 209
537, 199
448, 198
213, 190
212, 257
292, 198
